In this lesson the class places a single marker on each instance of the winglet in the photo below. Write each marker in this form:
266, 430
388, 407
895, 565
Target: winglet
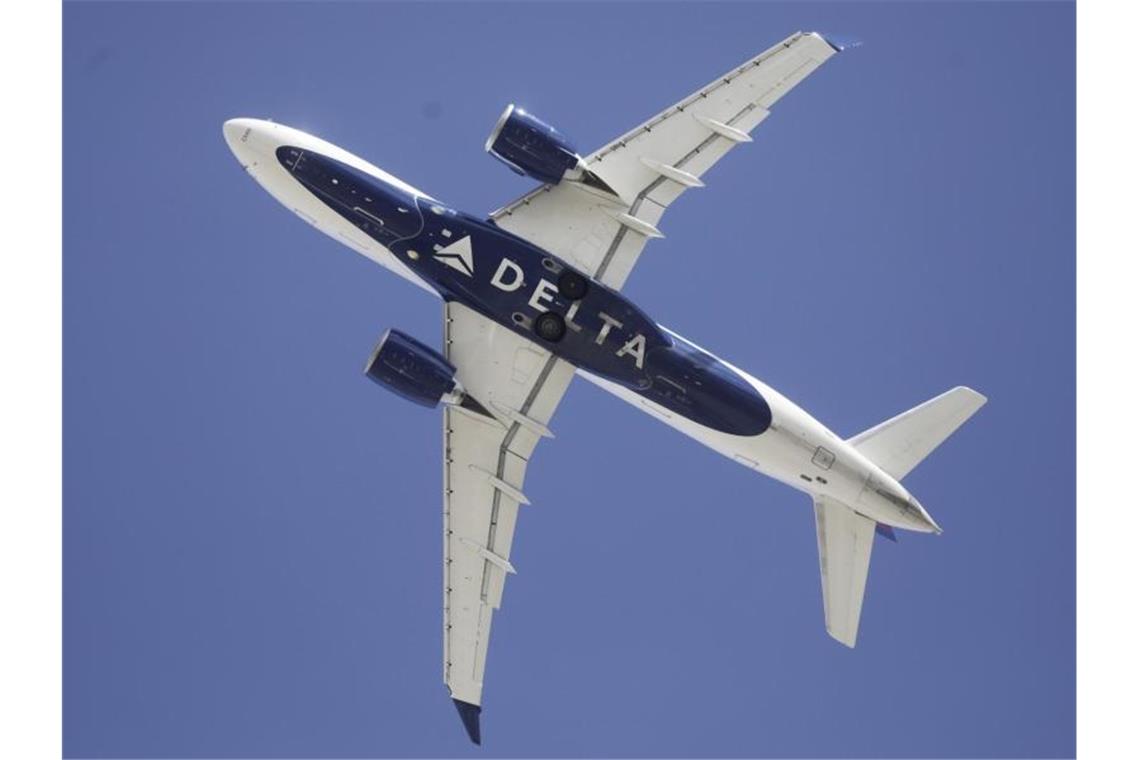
839, 42
469, 714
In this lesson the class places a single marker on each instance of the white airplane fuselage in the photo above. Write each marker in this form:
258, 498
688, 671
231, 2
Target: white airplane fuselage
611, 342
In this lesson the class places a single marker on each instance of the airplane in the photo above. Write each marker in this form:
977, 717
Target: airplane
532, 297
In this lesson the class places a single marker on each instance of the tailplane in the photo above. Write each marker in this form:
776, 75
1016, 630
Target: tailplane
846, 537
845, 541
901, 442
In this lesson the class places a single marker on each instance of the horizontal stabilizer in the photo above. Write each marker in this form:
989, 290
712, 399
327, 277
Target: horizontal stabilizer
845, 541
901, 442
886, 532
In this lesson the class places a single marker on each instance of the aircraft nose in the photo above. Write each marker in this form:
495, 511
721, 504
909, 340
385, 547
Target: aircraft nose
247, 139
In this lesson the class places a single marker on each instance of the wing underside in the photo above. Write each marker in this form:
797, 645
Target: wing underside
650, 166
484, 463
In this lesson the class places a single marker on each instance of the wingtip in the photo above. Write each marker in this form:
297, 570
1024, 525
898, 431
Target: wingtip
839, 42
979, 399
469, 714
846, 638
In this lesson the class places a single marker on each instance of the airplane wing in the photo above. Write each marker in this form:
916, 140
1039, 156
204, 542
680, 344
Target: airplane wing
650, 166
845, 541
484, 462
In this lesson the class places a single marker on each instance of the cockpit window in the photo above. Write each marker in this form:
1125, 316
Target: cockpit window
384, 212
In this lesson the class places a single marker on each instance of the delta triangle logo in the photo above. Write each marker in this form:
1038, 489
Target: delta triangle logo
458, 256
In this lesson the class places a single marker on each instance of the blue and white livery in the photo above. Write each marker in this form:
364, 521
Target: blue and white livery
532, 297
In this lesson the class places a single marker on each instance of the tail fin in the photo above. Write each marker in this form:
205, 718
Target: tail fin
901, 442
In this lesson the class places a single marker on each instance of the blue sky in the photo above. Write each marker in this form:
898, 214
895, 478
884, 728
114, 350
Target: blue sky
251, 527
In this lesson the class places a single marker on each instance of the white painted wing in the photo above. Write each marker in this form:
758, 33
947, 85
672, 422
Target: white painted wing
845, 541
484, 462
652, 165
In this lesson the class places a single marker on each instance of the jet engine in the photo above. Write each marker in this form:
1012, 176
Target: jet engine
532, 147
410, 369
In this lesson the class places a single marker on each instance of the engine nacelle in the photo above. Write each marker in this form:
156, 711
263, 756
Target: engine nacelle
410, 369
532, 147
